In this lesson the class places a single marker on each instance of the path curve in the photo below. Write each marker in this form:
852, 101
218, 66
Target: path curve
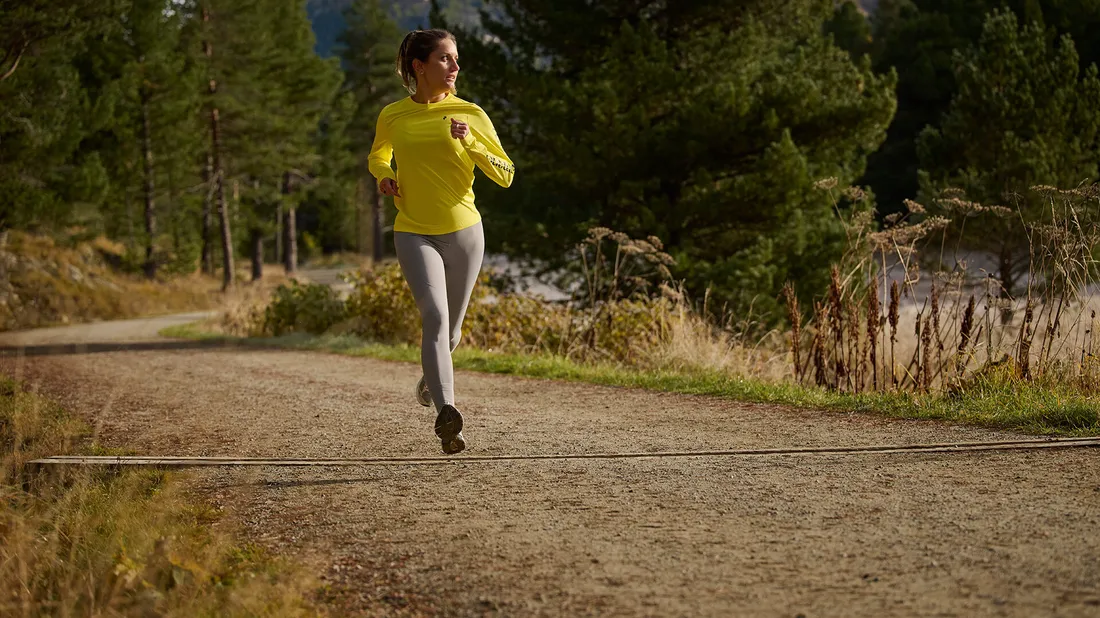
905, 534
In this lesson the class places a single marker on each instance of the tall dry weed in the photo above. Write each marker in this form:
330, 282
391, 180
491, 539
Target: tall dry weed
1046, 331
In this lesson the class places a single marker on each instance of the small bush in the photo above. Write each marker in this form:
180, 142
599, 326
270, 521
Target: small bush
381, 306
516, 324
297, 307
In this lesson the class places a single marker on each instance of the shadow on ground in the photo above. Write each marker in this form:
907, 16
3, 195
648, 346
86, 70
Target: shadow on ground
67, 349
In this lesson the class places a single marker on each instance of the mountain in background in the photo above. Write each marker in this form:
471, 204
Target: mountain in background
328, 21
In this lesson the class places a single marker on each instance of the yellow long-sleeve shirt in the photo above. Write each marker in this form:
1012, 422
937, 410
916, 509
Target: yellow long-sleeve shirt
435, 172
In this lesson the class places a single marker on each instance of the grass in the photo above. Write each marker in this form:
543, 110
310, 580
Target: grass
992, 399
94, 542
48, 284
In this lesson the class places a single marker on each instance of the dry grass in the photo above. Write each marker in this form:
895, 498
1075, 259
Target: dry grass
886, 323
130, 543
47, 284
694, 343
966, 323
625, 310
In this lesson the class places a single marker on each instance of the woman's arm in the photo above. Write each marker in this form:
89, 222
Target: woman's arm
381, 152
483, 146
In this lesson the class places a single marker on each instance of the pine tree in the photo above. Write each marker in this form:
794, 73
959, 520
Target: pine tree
705, 124
918, 38
217, 30
25, 24
850, 29
1024, 114
332, 202
45, 179
306, 85
269, 90
368, 48
161, 89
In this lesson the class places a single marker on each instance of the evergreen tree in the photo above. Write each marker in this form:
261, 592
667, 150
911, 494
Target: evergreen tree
918, 38
1024, 114
705, 124
45, 180
305, 86
152, 137
850, 29
25, 24
333, 203
368, 48
268, 93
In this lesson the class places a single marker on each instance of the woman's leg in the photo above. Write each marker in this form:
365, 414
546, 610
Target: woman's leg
441, 272
423, 267
463, 254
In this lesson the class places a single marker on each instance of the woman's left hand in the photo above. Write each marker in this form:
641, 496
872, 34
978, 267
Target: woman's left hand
459, 129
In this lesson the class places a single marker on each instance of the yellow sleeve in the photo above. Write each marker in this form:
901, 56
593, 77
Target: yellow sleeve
381, 152
483, 146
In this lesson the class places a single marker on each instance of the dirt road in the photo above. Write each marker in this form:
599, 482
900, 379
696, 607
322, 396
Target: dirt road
969, 534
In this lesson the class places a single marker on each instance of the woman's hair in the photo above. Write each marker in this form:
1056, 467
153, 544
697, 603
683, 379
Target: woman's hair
417, 45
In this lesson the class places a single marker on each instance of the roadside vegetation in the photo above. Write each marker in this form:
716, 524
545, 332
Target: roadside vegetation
897, 332
100, 542
58, 279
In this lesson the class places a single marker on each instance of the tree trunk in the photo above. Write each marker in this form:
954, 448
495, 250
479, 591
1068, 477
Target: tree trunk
290, 232
290, 244
174, 217
278, 233
208, 178
360, 219
376, 219
150, 205
207, 216
257, 254
217, 172
223, 207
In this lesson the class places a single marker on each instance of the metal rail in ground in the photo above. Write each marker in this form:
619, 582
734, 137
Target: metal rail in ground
956, 447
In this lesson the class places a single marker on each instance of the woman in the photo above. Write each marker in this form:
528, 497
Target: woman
437, 140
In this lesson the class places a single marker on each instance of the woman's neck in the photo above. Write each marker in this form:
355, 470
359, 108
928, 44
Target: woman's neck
422, 96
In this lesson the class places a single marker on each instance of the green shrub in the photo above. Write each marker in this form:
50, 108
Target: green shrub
512, 323
381, 308
310, 308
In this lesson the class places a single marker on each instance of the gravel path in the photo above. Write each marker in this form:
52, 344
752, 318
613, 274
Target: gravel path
967, 534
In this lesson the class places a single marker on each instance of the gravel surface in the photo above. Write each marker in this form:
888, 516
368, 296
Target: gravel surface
960, 534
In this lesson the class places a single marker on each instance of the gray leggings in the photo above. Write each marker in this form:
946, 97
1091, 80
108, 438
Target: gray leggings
441, 271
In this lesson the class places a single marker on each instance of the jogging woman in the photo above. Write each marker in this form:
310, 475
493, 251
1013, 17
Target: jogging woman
437, 139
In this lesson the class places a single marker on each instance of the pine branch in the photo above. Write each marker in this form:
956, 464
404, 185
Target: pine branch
15, 63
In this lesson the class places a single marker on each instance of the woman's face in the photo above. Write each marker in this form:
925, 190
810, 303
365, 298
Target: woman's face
441, 69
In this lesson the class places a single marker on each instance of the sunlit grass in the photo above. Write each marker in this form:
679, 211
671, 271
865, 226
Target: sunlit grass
994, 399
100, 542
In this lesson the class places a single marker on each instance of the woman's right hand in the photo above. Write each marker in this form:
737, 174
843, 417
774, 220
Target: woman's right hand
388, 186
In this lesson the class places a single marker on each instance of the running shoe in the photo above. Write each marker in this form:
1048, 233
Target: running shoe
423, 395
448, 428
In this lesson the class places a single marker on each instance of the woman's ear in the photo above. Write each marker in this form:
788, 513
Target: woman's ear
418, 66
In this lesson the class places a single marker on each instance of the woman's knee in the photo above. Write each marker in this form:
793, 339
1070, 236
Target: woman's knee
434, 322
